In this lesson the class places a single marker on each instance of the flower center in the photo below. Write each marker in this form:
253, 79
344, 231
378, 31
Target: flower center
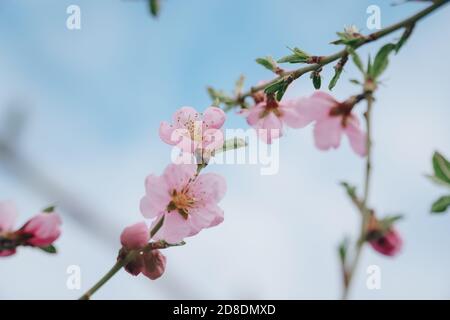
194, 128
181, 202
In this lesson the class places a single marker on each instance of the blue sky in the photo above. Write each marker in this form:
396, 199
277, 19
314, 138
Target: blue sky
94, 99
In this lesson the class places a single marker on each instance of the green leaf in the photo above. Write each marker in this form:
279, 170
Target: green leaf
369, 65
316, 80
388, 222
441, 167
405, 36
343, 249
268, 63
355, 81
49, 209
49, 249
221, 97
381, 60
274, 87
334, 80
280, 93
155, 7
351, 190
356, 59
441, 204
297, 56
438, 181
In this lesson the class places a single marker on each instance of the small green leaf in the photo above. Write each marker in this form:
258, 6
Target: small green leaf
381, 60
351, 190
268, 63
342, 249
316, 80
355, 81
155, 7
297, 56
356, 59
441, 167
405, 36
387, 222
274, 87
438, 181
49, 249
281, 92
441, 205
334, 80
369, 65
49, 209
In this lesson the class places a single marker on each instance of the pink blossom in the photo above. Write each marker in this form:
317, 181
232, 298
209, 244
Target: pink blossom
154, 264
269, 117
186, 201
135, 236
8, 216
42, 230
333, 119
389, 244
191, 130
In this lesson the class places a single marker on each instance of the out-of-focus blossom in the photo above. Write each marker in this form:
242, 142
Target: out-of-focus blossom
8, 217
187, 202
332, 120
192, 131
268, 117
388, 244
42, 230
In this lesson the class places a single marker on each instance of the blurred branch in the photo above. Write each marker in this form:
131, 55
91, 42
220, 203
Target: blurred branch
285, 78
30, 175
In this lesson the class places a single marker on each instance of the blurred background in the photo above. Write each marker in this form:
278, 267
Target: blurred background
91, 102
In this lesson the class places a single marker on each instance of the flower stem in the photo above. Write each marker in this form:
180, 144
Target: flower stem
365, 212
119, 264
123, 262
295, 74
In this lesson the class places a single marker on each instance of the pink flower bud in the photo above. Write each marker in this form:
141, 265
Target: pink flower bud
154, 264
42, 230
135, 236
134, 267
388, 244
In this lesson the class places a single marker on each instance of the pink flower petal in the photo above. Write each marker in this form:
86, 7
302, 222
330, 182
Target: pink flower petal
8, 215
184, 115
293, 114
255, 113
167, 133
135, 236
328, 132
212, 139
178, 175
214, 118
270, 128
318, 106
43, 228
208, 188
174, 229
157, 196
356, 136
